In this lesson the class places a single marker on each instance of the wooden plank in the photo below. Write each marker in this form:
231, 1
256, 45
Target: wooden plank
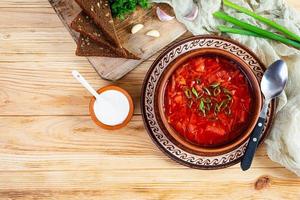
140, 44
56, 155
28, 18
36, 48
50, 86
24, 4
137, 192
34, 34
37, 44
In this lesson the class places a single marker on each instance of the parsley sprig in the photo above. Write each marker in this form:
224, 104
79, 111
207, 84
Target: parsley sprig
121, 8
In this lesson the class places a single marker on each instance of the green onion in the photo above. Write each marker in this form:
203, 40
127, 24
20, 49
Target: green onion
244, 25
207, 100
188, 93
215, 84
217, 109
262, 19
194, 91
198, 81
217, 91
220, 106
226, 91
190, 104
207, 91
202, 107
226, 29
229, 97
208, 106
228, 111
223, 104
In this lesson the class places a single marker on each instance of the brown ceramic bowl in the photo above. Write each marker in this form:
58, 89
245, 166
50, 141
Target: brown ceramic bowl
253, 116
104, 126
168, 141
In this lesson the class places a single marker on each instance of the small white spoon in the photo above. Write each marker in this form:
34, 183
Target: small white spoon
85, 84
108, 113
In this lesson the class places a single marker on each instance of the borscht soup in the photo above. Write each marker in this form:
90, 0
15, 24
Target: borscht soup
208, 101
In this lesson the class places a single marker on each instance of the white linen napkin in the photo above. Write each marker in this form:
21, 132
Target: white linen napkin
283, 144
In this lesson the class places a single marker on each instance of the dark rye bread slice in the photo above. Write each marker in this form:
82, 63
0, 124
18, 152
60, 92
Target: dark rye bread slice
85, 25
100, 12
87, 47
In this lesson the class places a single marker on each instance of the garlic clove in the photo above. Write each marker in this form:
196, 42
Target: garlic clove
153, 33
162, 15
136, 28
193, 14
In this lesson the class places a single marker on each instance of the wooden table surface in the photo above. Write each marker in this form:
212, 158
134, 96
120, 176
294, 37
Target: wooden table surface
50, 149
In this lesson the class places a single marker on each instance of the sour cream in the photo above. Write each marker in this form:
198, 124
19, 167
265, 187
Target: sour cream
112, 107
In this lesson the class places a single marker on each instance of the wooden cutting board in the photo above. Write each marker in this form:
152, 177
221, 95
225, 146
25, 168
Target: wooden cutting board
140, 44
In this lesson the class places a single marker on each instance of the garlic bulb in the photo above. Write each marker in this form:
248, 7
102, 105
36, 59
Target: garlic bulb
193, 14
162, 15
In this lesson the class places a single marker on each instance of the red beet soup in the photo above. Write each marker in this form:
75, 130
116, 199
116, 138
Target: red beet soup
208, 100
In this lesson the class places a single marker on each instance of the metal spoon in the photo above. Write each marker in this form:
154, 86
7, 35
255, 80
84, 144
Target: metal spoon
272, 85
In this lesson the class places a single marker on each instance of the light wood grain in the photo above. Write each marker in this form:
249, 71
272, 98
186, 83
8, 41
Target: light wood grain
56, 155
50, 86
50, 149
22, 4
